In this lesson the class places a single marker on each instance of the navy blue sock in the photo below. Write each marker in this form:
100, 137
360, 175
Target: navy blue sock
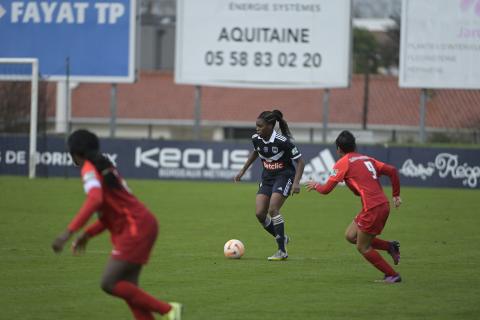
279, 225
268, 225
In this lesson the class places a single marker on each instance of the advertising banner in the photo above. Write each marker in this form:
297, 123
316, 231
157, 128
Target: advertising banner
440, 45
157, 159
264, 44
97, 37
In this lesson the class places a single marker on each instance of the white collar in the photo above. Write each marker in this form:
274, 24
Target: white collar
272, 137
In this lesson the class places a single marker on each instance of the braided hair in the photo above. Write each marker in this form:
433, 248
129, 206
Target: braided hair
85, 144
271, 117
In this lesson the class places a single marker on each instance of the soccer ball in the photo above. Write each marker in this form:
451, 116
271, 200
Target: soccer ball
233, 249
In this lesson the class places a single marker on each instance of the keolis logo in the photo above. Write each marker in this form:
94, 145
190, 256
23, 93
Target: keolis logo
193, 163
190, 158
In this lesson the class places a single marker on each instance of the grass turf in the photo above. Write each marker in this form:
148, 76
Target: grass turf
324, 278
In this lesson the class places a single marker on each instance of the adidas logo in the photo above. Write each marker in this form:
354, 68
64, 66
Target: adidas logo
319, 168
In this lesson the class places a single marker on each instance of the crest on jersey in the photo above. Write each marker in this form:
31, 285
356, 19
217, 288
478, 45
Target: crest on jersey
89, 175
275, 149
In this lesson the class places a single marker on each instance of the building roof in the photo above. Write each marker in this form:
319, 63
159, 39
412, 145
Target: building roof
155, 96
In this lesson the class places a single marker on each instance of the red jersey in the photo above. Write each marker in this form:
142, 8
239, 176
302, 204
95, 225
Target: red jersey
361, 174
119, 210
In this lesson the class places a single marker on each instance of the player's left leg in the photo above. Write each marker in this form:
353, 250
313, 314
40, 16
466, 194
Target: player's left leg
140, 314
393, 247
175, 312
373, 222
276, 202
116, 281
351, 233
364, 241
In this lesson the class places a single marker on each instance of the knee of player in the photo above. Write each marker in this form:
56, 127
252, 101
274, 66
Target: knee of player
351, 238
107, 285
273, 212
363, 248
261, 215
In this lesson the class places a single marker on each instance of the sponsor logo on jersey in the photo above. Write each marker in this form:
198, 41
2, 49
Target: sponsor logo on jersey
273, 165
89, 175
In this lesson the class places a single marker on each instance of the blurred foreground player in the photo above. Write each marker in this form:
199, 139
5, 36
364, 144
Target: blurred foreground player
280, 178
361, 174
132, 227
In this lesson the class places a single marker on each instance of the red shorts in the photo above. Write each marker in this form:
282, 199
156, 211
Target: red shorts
373, 221
136, 248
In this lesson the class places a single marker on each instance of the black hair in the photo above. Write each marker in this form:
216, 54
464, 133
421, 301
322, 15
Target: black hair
346, 141
271, 117
85, 144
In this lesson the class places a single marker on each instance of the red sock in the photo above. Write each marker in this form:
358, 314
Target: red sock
380, 244
376, 259
140, 314
139, 298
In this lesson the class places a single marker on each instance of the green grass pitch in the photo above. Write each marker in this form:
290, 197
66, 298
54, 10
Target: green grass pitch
324, 278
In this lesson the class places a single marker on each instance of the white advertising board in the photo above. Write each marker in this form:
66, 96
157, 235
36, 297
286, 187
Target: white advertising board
440, 44
264, 43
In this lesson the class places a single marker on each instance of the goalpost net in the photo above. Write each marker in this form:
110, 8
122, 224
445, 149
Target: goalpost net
24, 70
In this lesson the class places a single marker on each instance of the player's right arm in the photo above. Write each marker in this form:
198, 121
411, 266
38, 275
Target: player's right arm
323, 189
338, 175
92, 203
251, 158
79, 245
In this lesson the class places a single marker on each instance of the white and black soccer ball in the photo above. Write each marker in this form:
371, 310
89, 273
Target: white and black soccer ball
233, 249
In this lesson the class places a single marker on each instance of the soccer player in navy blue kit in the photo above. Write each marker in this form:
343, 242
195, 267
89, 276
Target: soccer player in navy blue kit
280, 178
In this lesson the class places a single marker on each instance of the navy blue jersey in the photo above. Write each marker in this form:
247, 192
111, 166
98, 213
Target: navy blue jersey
277, 154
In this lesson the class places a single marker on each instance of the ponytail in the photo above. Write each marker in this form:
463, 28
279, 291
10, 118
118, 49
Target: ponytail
106, 168
282, 123
271, 117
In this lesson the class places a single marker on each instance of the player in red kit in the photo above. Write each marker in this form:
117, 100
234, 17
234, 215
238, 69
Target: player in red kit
132, 227
361, 174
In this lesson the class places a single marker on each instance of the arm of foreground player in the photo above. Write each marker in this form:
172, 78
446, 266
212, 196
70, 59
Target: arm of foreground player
323, 189
392, 173
92, 203
252, 157
80, 244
